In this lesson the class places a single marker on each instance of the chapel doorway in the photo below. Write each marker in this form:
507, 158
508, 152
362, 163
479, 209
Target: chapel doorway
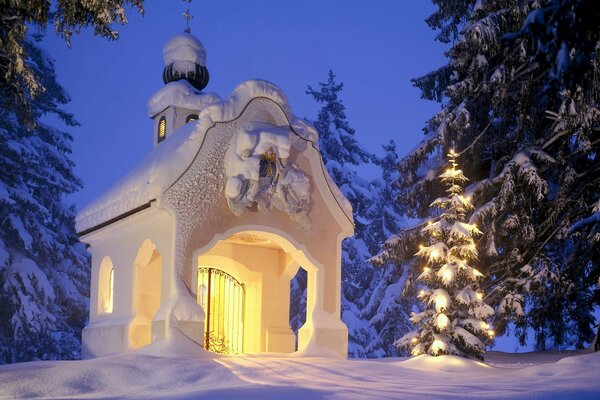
223, 299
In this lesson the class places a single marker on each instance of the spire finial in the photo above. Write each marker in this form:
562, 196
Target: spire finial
188, 16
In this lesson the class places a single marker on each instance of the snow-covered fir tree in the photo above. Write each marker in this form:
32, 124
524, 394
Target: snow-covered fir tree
44, 276
455, 319
342, 154
521, 105
18, 79
391, 297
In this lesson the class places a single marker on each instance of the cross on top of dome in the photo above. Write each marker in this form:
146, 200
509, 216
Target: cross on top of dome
188, 16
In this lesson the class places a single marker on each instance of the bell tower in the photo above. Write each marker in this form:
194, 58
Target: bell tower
185, 75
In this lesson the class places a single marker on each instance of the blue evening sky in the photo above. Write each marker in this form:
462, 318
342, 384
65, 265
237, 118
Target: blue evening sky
374, 47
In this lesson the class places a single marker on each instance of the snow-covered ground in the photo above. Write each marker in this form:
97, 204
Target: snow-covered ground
191, 373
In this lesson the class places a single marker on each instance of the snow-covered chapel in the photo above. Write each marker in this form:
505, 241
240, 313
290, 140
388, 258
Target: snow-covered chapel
203, 237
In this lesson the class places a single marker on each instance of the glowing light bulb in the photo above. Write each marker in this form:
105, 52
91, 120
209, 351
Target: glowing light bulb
429, 222
437, 345
447, 275
421, 246
426, 269
442, 321
414, 340
422, 293
491, 333
479, 296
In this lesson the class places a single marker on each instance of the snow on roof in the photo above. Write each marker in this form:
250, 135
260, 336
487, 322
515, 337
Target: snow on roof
184, 47
168, 161
180, 94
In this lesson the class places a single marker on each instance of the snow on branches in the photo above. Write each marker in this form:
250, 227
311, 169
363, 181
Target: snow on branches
454, 320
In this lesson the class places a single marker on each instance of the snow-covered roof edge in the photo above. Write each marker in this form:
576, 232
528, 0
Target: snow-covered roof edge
147, 181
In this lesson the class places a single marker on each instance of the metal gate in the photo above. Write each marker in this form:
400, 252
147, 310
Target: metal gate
222, 298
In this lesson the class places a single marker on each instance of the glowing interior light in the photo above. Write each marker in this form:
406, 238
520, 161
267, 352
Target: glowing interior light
111, 289
442, 321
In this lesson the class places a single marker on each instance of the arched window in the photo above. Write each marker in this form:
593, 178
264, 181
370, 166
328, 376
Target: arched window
106, 286
162, 129
111, 291
191, 117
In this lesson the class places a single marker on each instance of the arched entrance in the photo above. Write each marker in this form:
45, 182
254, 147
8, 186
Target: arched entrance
223, 299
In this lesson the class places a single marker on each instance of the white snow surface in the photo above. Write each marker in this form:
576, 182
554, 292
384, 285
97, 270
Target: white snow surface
178, 369
184, 47
167, 162
180, 94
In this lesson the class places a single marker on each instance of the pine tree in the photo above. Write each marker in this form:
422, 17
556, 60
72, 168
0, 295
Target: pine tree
19, 83
342, 154
521, 106
390, 297
44, 277
455, 318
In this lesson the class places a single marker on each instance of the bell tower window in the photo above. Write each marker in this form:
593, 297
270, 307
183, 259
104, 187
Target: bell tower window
191, 117
162, 129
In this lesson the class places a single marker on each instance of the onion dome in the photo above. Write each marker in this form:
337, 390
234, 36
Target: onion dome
185, 58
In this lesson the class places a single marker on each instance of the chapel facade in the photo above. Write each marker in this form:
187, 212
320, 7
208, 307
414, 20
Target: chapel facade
203, 237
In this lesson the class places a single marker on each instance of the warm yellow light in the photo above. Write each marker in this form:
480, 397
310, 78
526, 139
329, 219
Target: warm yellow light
447, 275
434, 253
479, 296
429, 222
414, 340
422, 293
437, 345
491, 333
441, 302
111, 289
442, 321
426, 269
421, 246
415, 352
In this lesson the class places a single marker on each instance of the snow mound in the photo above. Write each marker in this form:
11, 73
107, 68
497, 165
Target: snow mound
146, 374
177, 345
168, 161
184, 47
445, 364
180, 94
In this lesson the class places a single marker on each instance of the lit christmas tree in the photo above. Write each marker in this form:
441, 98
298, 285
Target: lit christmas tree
455, 317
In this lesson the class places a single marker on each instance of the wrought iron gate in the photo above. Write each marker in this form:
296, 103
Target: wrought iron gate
222, 298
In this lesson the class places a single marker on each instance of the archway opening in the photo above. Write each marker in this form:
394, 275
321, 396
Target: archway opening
298, 292
147, 293
261, 265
